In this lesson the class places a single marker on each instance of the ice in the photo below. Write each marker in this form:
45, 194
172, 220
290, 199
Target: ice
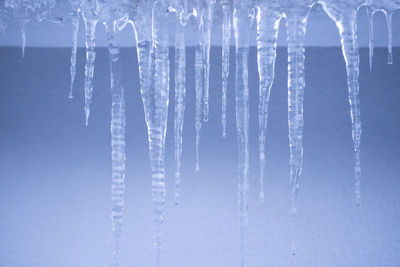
268, 19
75, 28
117, 137
345, 16
150, 21
226, 36
241, 26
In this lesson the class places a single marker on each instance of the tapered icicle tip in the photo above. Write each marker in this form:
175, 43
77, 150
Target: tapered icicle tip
197, 168
261, 197
87, 113
71, 94
224, 133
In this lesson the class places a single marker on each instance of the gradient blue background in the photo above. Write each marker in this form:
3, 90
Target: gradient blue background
55, 173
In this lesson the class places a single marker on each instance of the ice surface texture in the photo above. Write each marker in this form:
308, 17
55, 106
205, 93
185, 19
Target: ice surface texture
150, 23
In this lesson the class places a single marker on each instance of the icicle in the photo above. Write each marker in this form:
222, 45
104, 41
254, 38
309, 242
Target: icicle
180, 87
296, 22
207, 25
390, 36
23, 35
75, 29
155, 99
370, 14
90, 26
346, 21
267, 35
348, 34
199, 94
117, 138
226, 36
241, 29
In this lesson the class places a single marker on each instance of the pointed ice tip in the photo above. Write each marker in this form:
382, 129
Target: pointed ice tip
197, 169
261, 197
87, 113
224, 134
390, 60
205, 119
70, 96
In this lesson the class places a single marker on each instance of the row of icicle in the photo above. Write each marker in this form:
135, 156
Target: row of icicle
149, 20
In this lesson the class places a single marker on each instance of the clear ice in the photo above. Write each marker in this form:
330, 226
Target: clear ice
149, 19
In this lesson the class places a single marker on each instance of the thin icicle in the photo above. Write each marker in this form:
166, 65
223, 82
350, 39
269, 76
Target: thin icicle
23, 35
267, 36
226, 36
117, 139
241, 29
207, 25
75, 29
390, 37
296, 23
199, 97
90, 26
348, 34
180, 88
370, 14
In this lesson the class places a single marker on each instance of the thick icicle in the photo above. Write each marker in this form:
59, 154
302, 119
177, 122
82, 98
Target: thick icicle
267, 35
180, 88
207, 25
296, 23
370, 14
75, 29
117, 138
155, 100
390, 36
226, 36
241, 28
199, 97
90, 26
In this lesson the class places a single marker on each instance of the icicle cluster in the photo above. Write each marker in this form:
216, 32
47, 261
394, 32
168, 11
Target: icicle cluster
149, 19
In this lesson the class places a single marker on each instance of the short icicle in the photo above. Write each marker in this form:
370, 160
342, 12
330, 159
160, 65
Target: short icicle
371, 43
390, 37
226, 36
117, 139
23, 35
296, 23
75, 29
90, 26
241, 27
267, 36
207, 25
180, 88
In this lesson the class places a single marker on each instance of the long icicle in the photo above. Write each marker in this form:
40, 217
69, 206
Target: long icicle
267, 37
207, 25
199, 97
226, 36
296, 30
75, 29
241, 29
180, 88
370, 14
390, 36
90, 26
348, 34
156, 107
117, 139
